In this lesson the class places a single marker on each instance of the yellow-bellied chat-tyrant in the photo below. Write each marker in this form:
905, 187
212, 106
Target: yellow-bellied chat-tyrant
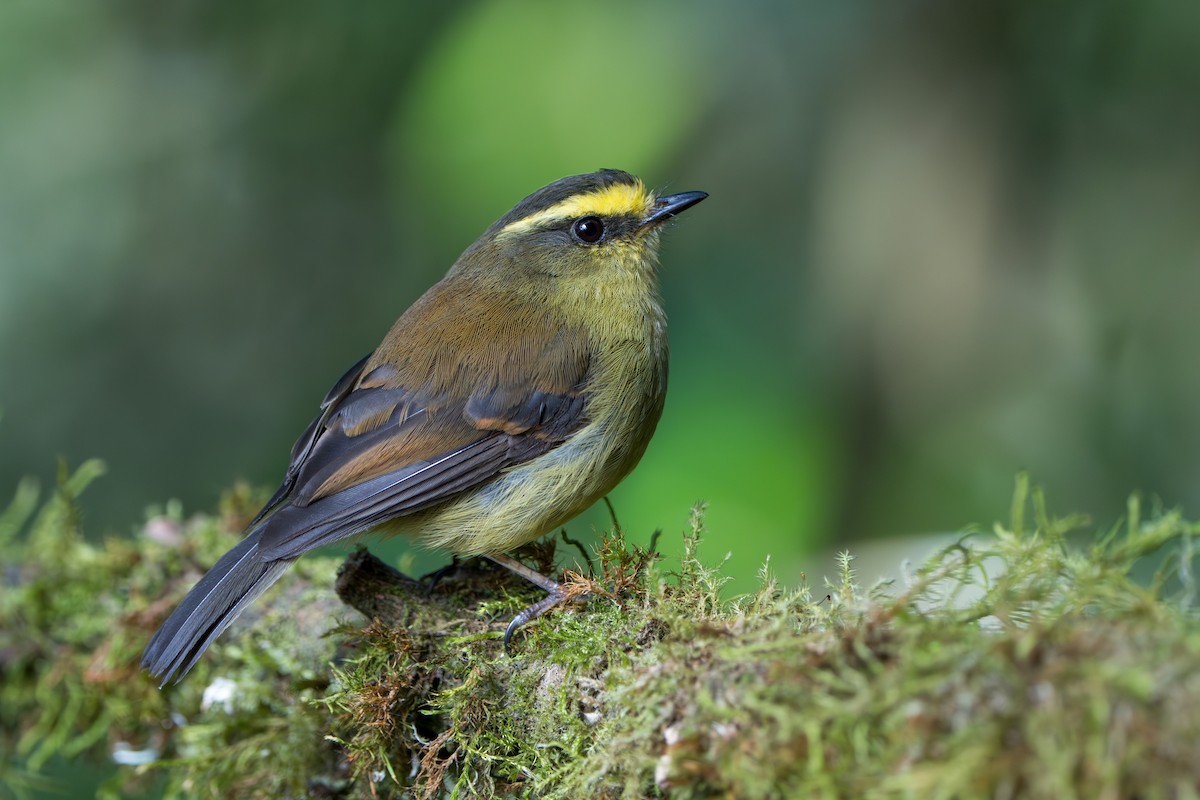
511, 396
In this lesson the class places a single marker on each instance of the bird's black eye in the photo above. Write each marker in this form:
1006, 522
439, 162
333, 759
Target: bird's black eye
588, 230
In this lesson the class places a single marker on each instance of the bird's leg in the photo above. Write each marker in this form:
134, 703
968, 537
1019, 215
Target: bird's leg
435, 577
531, 575
554, 590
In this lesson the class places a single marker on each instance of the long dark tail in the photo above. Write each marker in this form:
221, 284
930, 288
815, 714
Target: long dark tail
232, 584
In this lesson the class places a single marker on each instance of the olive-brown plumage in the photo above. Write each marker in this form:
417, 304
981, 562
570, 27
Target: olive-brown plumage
512, 395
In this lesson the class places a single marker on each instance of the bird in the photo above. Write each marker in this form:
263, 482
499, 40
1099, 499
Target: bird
511, 396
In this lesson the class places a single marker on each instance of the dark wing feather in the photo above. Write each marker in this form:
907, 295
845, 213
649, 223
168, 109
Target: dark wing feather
517, 411
381, 450
296, 529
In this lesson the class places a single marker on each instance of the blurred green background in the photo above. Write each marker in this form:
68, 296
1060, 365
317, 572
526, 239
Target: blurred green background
945, 241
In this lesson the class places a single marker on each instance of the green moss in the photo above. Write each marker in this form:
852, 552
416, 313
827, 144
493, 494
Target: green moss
1015, 664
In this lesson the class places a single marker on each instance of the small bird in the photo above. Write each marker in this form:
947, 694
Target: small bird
512, 395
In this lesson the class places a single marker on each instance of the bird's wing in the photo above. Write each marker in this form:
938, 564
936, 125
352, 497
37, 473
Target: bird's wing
381, 448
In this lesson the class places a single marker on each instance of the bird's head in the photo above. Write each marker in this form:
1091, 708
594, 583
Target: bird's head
581, 228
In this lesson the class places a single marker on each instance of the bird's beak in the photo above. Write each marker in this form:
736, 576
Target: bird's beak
670, 205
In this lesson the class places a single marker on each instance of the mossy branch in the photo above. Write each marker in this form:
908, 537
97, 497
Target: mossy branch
1009, 665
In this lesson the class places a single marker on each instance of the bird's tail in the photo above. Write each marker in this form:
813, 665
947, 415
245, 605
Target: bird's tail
232, 584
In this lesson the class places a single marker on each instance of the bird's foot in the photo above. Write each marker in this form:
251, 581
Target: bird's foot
556, 594
531, 613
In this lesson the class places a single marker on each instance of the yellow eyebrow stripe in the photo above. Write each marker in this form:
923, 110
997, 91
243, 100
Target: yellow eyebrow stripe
613, 200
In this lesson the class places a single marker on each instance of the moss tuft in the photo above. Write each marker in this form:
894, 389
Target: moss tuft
1015, 664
